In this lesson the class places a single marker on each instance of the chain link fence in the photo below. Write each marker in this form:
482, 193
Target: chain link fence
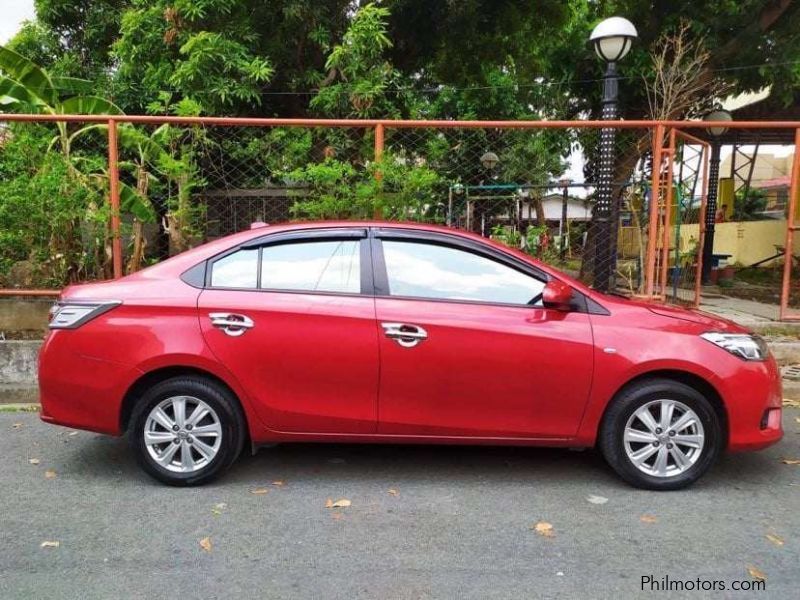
534, 186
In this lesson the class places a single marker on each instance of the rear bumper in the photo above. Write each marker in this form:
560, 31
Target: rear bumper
80, 391
753, 402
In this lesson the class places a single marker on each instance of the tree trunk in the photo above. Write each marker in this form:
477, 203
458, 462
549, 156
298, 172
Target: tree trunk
139, 243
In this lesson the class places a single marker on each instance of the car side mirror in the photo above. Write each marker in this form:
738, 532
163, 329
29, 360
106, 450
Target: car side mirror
557, 294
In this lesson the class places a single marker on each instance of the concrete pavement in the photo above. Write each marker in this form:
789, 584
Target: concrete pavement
456, 525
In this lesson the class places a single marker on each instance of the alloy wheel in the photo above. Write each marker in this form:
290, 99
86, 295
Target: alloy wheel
182, 434
664, 438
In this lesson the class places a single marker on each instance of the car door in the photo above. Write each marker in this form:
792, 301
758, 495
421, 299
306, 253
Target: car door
293, 318
464, 352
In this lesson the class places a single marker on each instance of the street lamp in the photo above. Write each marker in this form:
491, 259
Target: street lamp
715, 133
612, 39
719, 116
489, 160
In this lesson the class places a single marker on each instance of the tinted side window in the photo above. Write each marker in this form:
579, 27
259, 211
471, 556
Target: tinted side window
432, 271
324, 266
237, 270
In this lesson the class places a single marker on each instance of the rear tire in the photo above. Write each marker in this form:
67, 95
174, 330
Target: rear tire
660, 434
186, 430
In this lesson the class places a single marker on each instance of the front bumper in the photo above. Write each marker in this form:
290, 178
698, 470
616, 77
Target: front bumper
80, 391
753, 401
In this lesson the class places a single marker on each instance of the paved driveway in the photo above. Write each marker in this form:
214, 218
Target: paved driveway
456, 523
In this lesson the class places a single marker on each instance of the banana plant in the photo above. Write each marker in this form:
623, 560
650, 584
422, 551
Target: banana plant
25, 86
145, 151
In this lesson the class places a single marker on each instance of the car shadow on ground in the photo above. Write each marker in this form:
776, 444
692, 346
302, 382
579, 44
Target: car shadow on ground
106, 457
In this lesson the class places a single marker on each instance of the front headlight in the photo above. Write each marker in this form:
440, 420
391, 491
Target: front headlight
743, 345
71, 315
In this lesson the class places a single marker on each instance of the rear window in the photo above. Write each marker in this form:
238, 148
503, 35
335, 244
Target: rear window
237, 270
318, 266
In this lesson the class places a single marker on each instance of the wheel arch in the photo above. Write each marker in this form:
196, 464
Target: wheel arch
698, 383
158, 375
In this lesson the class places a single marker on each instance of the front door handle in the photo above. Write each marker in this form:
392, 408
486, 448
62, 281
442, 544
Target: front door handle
405, 334
231, 323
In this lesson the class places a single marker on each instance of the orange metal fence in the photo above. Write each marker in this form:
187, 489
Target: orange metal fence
413, 141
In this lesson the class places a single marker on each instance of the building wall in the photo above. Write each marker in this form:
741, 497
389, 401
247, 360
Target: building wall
768, 166
747, 242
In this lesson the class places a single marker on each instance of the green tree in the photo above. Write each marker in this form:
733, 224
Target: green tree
390, 188
360, 81
83, 31
750, 206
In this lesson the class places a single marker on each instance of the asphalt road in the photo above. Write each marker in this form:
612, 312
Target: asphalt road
457, 526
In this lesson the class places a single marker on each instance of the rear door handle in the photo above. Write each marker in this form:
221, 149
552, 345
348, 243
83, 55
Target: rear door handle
231, 323
405, 334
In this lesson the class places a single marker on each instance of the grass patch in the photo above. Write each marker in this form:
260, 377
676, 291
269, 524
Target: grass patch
8, 408
779, 331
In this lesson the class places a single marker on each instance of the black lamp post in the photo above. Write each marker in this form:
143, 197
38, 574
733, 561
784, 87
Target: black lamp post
562, 227
489, 160
612, 40
713, 187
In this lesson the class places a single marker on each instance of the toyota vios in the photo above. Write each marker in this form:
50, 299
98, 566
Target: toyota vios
401, 333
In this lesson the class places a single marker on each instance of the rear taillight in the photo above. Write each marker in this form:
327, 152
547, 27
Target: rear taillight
71, 315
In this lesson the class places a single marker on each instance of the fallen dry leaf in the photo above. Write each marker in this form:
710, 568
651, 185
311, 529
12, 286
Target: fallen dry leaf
50, 474
34, 461
278, 483
790, 402
756, 574
16, 426
49, 544
796, 420
791, 461
648, 519
393, 492
259, 491
775, 539
596, 499
544, 529
205, 544
342, 503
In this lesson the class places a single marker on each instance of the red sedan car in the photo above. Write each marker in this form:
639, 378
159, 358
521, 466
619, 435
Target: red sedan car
389, 332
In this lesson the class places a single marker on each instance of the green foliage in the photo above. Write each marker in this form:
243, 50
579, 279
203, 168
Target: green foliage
203, 50
26, 86
390, 189
507, 235
360, 71
78, 35
45, 218
416, 58
221, 67
750, 207
473, 59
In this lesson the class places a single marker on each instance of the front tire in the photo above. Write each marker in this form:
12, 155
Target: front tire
660, 434
186, 430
